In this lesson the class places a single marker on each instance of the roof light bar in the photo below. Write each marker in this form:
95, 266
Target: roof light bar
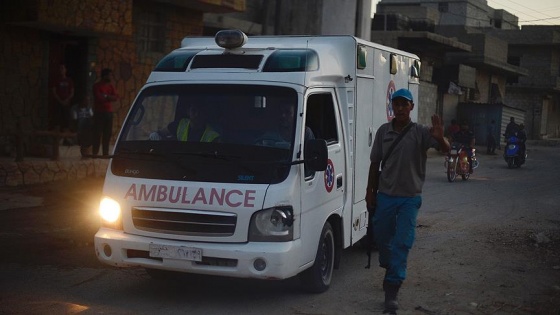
230, 39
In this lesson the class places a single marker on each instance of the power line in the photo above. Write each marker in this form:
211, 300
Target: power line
550, 18
488, 20
524, 12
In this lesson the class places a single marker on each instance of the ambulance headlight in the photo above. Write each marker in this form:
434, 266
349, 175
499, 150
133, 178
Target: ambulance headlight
272, 225
230, 39
110, 212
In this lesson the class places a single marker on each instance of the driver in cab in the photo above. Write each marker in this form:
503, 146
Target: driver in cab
193, 128
282, 135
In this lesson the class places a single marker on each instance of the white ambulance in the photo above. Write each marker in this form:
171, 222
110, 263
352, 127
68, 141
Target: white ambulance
248, 157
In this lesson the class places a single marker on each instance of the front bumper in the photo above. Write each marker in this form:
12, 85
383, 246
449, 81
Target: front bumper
281, 260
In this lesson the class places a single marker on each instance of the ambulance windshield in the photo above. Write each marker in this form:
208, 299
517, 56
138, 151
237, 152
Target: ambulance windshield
211, 133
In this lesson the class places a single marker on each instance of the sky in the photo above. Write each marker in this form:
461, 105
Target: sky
533, 12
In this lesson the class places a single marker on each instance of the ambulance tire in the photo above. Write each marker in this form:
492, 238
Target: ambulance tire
317, 278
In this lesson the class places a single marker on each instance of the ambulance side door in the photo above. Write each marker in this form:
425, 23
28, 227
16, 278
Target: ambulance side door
323, 192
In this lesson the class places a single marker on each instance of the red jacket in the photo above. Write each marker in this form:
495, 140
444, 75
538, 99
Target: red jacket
104, 94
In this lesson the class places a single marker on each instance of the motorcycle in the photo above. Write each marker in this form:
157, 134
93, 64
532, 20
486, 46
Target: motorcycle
512, 153
457, 162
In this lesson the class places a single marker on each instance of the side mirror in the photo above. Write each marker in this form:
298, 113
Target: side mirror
316, 154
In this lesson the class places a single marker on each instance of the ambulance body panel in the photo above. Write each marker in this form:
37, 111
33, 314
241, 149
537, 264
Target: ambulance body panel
267, 200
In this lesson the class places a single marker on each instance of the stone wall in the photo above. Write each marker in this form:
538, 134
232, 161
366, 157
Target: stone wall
427, 102
100, 16
37, 172
22, 75
109, 31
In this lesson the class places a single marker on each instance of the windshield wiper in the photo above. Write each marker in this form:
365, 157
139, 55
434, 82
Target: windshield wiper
150, 152
124, 151
214, 155
136, 154
152, 155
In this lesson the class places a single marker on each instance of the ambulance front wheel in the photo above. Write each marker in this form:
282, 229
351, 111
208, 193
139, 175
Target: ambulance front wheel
317, 278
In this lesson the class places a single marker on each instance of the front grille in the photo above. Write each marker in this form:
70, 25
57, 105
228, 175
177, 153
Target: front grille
218, 262
134, 253
184, 222
206, 261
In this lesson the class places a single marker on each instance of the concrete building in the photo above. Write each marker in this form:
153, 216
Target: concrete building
296, 17
501, 75
536, 48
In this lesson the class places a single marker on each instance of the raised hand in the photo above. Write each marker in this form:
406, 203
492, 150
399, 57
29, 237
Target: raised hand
437, 132
437, 127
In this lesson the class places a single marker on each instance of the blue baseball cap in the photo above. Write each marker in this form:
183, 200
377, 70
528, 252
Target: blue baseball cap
405, 93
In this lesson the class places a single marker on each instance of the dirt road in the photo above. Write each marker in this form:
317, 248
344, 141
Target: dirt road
489, 245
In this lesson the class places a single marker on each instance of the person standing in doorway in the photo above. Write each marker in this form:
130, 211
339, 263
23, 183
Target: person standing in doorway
63, 92
490, 138
104, 95
394, 194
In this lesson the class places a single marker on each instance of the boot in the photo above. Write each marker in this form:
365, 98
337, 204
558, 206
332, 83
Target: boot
391, 291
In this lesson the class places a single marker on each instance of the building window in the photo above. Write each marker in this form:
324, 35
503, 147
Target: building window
516, 61
497, 23
151, 31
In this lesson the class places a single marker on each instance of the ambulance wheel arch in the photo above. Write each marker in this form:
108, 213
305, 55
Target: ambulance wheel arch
318, 277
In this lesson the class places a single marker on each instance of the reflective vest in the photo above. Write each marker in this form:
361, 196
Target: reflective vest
209, 134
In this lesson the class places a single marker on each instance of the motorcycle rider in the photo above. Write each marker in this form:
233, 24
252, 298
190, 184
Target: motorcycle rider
522, 138
511, 129
465, 137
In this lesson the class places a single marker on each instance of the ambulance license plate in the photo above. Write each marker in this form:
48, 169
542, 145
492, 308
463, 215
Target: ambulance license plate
175, 252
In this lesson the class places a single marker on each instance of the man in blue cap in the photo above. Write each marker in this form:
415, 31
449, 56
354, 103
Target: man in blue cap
394, 194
